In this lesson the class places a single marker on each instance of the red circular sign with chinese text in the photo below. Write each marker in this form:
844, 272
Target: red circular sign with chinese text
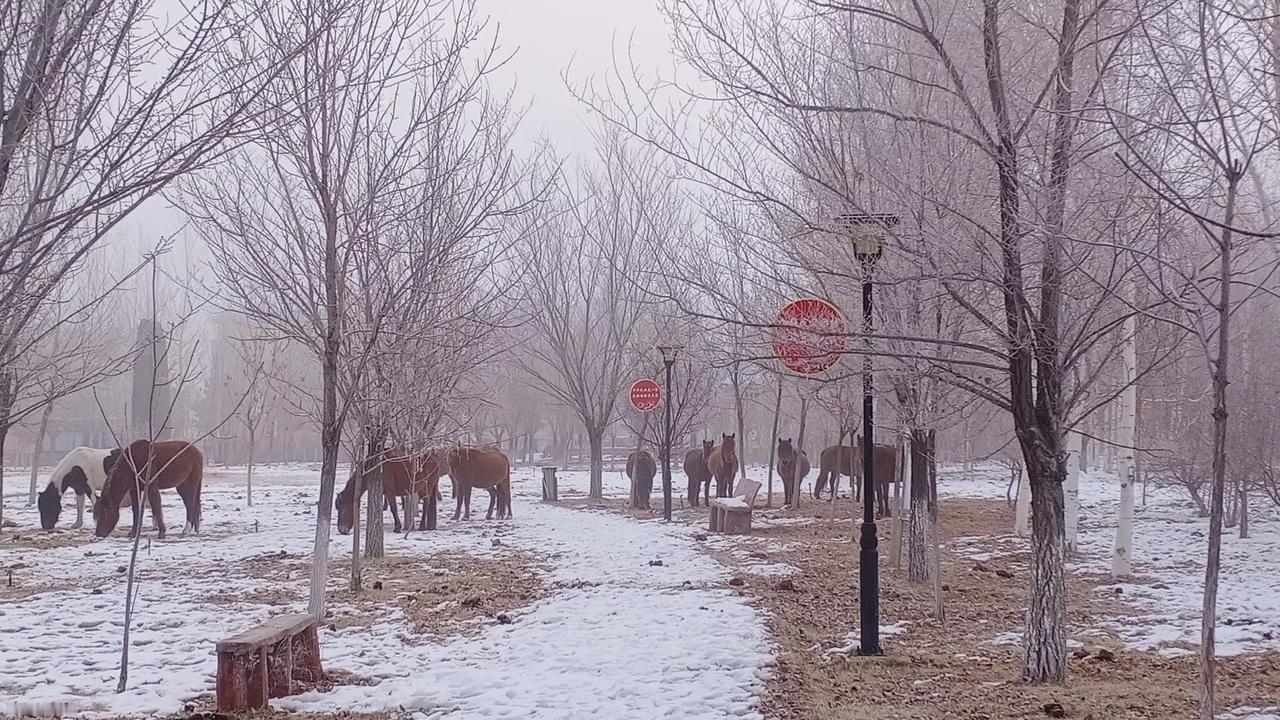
810, 336
645, 395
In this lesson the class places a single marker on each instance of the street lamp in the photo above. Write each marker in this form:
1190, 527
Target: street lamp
866, 232
669, 355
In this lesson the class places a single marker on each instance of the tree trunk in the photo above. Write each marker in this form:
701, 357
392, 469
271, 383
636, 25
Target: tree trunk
1045, 635
357, 570
248, 478
931, 454
804, 414
1122, 555
635, 500
7, 392
736, 378
330, 422
1022, 507
1071, 491
922, 516
773, 440
1209, 612
596, 439
35, 453
374, 546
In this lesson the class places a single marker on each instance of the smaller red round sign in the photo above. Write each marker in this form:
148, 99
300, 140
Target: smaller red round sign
645, 395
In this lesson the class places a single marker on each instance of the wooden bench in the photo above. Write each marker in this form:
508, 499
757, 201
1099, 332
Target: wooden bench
550, 488
263, 662
732, 516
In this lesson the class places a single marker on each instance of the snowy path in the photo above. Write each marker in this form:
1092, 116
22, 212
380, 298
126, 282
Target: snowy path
620, 638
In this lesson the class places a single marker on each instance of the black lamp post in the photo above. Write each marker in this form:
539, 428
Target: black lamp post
867, 234
669, 355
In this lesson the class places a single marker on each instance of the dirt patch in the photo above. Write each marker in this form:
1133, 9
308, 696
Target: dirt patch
447, 594
962, 668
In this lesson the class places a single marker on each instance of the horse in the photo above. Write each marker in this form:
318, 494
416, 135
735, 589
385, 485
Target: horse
480, 467
833, 462
840, 460
723, 464
641, 470
402, 475
793, 466
174, 464
83, 470
695, 468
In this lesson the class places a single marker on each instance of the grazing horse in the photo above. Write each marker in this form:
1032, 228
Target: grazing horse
480, 467
695, 468
641, 470
723, 464
793, 466
174, 464
83, 470
402, 475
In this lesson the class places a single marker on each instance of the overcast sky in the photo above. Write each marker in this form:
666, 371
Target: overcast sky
548, 35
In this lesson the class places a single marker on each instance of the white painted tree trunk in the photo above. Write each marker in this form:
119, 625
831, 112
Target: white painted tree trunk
1071, 491
1122, 555
1022, 508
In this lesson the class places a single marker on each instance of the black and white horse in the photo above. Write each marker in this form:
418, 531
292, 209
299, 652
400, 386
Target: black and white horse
84, 470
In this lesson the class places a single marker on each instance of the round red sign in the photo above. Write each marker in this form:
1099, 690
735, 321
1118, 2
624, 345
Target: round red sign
645, 395
810, 336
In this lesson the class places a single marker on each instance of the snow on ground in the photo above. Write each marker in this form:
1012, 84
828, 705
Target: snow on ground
633, 640
1170, 545
853, 640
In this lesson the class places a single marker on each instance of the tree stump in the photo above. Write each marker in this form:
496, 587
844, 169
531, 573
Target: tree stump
550, 487
264, 662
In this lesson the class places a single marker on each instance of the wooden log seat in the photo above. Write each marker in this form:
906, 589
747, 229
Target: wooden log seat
732, 515
265, 661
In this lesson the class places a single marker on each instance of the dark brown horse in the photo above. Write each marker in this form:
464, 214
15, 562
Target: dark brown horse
641, 470
480, 467
402, 475
793, 466
149, 467
840, 460
723, 464
695, 469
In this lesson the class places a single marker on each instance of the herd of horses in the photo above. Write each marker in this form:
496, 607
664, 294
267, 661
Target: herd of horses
719, 462
111, 478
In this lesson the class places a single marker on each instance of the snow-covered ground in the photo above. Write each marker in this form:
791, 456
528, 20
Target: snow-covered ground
1170, 545
634, 640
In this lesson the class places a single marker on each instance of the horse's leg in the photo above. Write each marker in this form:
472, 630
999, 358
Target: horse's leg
422, 524
457, 501
135, 504
395, 514
493, 501
190, 494
157, 510
79, 511
706, 492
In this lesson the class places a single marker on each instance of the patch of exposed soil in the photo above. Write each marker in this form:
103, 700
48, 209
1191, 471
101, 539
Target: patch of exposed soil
447, 594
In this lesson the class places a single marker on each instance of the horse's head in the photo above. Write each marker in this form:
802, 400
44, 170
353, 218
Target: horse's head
123, 472
786, 451
50, 503
728, 447
345, 505
707, 447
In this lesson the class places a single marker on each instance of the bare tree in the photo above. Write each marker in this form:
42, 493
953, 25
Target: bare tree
584, 268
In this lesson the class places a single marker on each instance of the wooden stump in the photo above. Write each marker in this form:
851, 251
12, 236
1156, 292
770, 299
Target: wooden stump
550, 487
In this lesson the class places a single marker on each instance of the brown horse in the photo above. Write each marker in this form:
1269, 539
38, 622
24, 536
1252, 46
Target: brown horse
173, 464
402, 475
723, 464
835, 461
480, 467
695, 469
793, 466
840, 460
641, 470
